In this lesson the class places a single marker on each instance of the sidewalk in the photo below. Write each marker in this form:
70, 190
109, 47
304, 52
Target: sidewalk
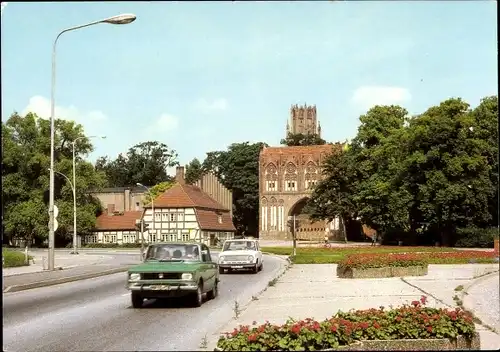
482, 297
314, 291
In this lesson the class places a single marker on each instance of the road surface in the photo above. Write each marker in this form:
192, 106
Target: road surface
96, 315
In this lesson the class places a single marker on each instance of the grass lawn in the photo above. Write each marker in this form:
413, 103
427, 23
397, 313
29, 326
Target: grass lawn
334, 255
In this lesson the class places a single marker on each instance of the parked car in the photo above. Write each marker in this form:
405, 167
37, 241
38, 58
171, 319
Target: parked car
174, 270
241, 254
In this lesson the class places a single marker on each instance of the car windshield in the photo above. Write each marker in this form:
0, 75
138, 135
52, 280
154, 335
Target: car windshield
239, 246
173, 252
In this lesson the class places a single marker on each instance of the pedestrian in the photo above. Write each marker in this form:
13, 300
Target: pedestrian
374, 239
326, 239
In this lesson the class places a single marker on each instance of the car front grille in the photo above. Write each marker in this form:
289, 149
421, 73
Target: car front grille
235, 258
160, 276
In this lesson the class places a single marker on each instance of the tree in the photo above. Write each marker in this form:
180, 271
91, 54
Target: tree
302, 139
194, 171
237, 168
145, 163
25, 178
431, 177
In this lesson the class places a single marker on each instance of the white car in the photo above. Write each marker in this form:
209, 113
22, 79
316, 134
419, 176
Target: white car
240, 254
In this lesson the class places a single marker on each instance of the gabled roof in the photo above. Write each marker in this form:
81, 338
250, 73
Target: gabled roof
325, 148
209, 220
182, 195
109, 222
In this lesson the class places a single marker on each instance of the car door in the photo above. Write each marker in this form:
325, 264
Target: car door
209, 271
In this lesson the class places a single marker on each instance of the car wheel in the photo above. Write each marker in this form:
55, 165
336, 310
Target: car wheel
137, 300
261, 266
255, 269
197, 298
214, 292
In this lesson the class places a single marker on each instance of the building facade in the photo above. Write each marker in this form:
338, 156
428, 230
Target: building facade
187, 213
182, 213
287, 176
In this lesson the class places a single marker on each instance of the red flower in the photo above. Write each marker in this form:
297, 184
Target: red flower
296, 328
423, 300
398, 319
429, 328
376, 325
415, 303
252, 337
333, 328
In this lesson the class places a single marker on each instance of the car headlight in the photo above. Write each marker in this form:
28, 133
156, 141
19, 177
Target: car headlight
135, 277
250, 258
221, 259
187, 276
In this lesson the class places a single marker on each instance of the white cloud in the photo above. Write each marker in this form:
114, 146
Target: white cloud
163, 124
367, 96
206, 106
41, 106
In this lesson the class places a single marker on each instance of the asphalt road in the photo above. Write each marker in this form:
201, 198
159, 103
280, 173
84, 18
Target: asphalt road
96, 315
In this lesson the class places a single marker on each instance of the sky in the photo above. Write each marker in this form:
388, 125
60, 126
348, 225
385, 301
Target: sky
199, 76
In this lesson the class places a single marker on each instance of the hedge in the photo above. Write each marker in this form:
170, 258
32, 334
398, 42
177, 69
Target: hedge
415, 321
13, 258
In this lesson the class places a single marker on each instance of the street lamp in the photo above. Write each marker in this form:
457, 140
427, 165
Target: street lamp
152, 202
120, 19
74, 189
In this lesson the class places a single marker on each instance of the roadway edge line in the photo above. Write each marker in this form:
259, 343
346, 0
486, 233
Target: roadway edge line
53, 282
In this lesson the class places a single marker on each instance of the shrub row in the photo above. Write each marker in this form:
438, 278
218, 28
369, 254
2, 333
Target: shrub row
13, 258
113, 245
415, 321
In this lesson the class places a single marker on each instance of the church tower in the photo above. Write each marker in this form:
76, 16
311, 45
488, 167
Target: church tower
303, 119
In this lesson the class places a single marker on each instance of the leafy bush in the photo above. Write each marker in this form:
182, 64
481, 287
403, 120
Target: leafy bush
475, 237
13, 258
380, 260
364, 261
413, 321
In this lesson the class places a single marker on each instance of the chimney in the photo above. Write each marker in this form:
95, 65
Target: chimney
111, 209
179, 174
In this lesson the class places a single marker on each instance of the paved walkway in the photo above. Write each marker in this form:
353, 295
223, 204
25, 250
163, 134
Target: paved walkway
315, 291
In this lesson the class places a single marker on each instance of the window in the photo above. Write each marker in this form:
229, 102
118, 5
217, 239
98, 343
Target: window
180, 217
157, 216
165, 216
290, 186
185, 237
128, 237
173, 217
271, 186
172, 237
164, 237
90, 239
310, 184
110, 238
219, 218
137, 206
152, 237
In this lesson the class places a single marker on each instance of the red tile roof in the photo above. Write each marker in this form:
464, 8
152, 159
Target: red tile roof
108, 222
328, 148
186, 196
209, 220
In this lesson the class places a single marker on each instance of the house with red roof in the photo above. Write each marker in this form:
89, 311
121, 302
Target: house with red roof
182, 213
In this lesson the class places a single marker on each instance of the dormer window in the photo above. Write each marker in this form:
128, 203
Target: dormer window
220, 219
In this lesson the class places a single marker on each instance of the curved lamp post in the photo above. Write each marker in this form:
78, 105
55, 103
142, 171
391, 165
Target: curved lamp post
75, 251
120, 19
72, 189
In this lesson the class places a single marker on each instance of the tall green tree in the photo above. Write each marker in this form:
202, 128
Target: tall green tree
194, 171
145, 163
297, 139
238, 170
25, 178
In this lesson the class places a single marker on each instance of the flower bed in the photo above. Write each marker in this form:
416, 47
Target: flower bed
410, 327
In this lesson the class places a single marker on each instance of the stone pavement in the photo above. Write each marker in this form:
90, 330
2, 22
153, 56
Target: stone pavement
315, 291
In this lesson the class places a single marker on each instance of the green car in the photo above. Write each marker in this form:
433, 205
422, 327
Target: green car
174, 270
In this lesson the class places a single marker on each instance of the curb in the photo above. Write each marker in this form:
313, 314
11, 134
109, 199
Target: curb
470, 308
52, 282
